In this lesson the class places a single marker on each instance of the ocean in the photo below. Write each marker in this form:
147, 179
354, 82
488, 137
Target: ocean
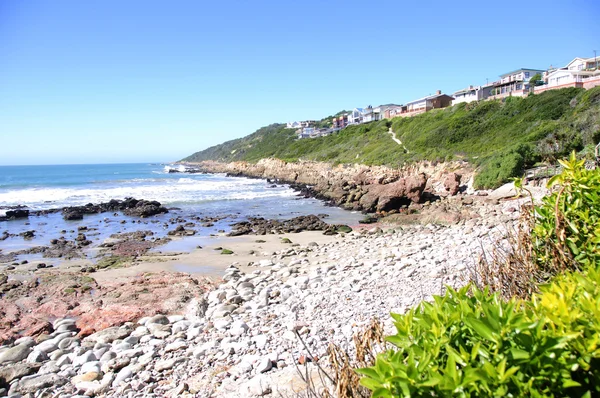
187, 195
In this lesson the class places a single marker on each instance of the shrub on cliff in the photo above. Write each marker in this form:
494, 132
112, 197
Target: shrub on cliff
500, 168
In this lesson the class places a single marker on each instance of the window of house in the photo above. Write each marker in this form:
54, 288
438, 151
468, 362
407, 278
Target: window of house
526, 75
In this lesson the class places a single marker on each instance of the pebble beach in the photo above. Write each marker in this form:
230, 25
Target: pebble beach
239, 337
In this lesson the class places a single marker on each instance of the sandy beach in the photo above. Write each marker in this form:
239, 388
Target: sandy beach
209, 260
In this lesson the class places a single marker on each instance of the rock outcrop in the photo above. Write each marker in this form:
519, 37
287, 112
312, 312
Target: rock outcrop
353, 187
27, 306
452, 183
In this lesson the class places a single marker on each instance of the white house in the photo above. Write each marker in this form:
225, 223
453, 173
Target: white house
581, 72
356, 116
368, 115
379, 113
472, 93
515, 83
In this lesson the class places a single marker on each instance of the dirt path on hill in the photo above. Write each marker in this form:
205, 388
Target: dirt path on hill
391, 132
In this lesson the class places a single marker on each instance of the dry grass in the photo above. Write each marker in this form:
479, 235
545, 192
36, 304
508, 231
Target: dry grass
338, 378
513, 270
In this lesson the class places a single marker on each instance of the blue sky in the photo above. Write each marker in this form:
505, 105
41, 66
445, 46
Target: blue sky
128, 81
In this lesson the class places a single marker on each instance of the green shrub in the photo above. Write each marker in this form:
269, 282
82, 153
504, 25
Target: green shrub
567, 224
471, 343
500, 169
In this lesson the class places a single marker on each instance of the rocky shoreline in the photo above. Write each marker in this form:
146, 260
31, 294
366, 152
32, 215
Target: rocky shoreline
356, 187
239, 339
164, 334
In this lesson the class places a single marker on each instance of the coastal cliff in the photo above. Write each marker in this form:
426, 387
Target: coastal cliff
356, 187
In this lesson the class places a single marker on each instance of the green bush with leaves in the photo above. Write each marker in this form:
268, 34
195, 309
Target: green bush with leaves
500, 169
566, 232
470, 343
473, 343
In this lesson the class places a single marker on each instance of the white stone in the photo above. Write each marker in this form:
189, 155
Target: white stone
124, 374
264, 365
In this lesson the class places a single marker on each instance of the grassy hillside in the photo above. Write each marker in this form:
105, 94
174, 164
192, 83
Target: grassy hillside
502, 137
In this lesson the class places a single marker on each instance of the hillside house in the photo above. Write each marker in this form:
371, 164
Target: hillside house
392, 111
368, 115
356, 116
581, 72
379, 113
472, 93
425, 104
515, 83
340, 122
299, 125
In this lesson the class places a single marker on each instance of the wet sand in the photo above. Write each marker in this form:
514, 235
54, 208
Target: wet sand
207, 261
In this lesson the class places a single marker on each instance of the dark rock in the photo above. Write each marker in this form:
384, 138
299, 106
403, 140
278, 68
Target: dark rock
17, 213
181, 231
72, 214
262, 226
27, 234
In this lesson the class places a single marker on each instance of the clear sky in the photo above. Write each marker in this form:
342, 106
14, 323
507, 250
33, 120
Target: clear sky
128, 81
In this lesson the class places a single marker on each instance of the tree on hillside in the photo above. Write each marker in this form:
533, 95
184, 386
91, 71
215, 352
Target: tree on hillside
536, 80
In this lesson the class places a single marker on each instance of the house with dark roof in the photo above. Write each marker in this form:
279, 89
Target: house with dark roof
425, 104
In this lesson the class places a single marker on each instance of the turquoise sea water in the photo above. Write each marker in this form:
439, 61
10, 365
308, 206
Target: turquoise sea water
42, 187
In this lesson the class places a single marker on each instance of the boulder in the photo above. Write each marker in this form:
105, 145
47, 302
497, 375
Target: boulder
109, 335
16, 371
386, 197
35, 384
145, 208
15, 354
71, 214
17, 213
452, 183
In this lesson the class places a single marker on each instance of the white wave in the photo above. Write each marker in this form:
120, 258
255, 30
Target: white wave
180, 168
186, 181
183, 190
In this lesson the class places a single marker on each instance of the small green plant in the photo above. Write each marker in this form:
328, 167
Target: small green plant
114, 262
341, 228
226, 251
285, 240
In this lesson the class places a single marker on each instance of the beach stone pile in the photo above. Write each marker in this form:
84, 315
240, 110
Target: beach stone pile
241, 339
